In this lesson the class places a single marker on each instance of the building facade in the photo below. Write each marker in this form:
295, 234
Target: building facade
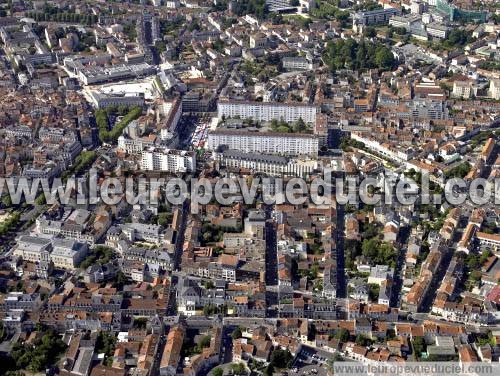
267, 164
262, 111
155, 159
264, 142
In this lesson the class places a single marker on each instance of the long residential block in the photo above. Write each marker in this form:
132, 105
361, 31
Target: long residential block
266, 111
264, 142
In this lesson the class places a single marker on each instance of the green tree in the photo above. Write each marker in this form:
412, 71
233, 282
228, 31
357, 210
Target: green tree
120, 280
238, 368
343, 335
269, 371
218, 372
299, 126
384, 57
140, 323
210, 309
419, 345
363, 340
41, 354
281, 358
236, 333
459, 171
373, 292
205, 341
106, 343
6, 201
370, 32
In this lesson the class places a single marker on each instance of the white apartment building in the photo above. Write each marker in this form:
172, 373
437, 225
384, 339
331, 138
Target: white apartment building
417, 7
135, 146
494, 91
264, 142
432, 109
437, 30
173, 4
156, 159
297, 63
462, 89
279, 5
263, 111
143, 232
171, 111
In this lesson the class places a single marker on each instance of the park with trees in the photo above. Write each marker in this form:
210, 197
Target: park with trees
362, 55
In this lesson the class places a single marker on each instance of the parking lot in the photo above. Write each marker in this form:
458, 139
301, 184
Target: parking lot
310, 361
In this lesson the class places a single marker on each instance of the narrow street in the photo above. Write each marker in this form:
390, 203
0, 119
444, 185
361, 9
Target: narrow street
436, 281
271, 259
340, 256
401, 248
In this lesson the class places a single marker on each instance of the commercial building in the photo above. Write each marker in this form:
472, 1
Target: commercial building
437, 30
57, 135
404, 21
374, 17
456, 14
100, 100
264, 142
263, 111
198, 101
92, 74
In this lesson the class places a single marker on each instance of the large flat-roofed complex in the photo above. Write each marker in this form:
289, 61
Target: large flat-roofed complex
263, 111
264, 142
373, 17
89, 75
101, 100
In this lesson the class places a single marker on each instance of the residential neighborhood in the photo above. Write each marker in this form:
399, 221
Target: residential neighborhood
248, 187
